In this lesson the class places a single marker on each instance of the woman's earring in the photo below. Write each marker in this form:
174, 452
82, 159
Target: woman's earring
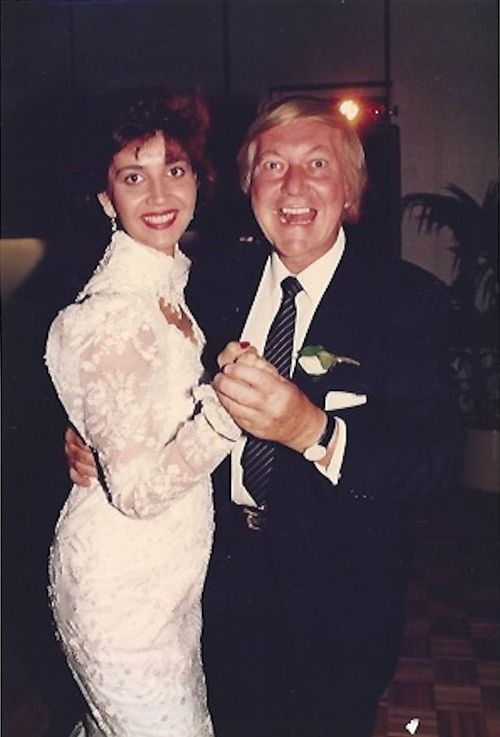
114, 226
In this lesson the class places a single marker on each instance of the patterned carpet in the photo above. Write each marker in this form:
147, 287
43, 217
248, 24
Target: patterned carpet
448, 675
447, 682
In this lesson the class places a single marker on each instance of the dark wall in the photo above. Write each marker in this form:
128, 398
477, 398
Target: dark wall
234, 50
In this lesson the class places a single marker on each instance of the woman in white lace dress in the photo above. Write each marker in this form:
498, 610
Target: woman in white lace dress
130, 553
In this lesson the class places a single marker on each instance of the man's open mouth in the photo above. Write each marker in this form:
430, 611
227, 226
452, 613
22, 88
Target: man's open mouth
297, 215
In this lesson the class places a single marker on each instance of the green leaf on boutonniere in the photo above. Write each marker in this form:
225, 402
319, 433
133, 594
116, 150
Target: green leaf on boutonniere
317, 361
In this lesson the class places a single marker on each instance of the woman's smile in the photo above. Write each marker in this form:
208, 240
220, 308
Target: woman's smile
152, 190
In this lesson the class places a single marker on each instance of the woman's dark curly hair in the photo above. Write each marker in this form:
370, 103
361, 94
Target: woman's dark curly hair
137, 115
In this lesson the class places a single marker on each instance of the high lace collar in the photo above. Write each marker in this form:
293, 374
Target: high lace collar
130, 267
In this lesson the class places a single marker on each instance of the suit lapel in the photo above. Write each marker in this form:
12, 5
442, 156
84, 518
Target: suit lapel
242, 283
345, 304
222, 290
221, 295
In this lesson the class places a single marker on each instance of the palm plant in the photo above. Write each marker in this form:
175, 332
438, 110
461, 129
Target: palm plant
474, 291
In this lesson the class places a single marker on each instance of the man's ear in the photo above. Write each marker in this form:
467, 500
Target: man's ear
106, 204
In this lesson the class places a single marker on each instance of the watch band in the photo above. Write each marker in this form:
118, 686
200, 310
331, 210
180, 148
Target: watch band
318, 451
328, 431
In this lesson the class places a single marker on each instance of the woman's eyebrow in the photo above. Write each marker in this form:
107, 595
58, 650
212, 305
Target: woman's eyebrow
174, 158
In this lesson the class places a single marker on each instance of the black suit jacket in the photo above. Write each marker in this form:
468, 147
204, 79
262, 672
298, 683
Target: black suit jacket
403, 446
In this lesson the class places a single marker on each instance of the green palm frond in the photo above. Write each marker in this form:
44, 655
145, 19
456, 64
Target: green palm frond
459, 212
474, 291
474, 228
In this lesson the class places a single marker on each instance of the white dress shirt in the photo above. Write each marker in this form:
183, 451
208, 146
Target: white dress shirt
314, 280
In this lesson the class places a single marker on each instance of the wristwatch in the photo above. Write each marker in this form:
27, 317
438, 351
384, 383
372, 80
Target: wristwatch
318, 451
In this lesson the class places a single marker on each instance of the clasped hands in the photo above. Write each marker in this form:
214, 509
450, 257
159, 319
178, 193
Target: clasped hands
258, 399
264, 403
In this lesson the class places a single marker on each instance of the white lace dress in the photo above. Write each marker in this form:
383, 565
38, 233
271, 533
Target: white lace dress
129, 556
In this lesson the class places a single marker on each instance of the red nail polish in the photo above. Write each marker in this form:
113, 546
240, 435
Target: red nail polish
244, 344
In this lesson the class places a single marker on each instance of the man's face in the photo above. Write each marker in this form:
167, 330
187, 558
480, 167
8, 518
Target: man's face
298, 190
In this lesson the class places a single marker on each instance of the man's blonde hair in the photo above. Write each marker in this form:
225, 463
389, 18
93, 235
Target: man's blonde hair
288, 110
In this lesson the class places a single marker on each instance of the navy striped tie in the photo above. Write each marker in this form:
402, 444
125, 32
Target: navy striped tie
257, 457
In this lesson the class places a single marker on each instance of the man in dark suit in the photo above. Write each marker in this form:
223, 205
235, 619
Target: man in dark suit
303, 605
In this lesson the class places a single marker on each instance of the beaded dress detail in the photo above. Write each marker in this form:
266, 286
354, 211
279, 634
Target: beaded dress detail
130, 553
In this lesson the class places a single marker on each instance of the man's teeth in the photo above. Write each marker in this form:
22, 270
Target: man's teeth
159, 219
297, 215
295, 210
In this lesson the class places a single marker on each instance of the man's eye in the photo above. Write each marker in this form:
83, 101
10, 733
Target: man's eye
132, 178
177, 171
271, 166
319, 164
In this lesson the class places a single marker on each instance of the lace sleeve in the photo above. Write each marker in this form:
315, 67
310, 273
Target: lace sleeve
143, 473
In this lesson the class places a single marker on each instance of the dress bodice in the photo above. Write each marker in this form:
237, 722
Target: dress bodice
128, 379
129, 267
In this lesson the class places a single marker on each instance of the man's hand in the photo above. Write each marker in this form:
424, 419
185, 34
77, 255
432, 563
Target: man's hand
82, 468
267, 405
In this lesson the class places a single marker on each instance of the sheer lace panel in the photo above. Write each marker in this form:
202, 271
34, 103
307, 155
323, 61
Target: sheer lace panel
122, 422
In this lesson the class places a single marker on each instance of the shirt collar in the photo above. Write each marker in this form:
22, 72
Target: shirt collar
316, 277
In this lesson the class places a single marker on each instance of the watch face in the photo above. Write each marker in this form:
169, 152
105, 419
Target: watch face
315, 453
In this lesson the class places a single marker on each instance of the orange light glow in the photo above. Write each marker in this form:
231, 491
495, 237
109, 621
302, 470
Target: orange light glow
350, 109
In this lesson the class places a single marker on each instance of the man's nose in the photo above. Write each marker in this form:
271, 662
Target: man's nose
294, 180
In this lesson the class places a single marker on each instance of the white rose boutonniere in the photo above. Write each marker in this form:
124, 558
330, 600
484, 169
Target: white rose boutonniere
317, 361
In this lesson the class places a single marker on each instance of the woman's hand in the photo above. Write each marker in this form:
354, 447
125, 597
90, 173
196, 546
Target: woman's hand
243, 353
82, 468
233, 351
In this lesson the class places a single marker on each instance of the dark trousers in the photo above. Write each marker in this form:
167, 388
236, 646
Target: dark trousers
273, 671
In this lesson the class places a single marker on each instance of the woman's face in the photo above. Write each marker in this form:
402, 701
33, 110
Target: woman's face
152, 191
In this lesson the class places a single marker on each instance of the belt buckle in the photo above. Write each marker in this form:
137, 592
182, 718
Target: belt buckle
255, 518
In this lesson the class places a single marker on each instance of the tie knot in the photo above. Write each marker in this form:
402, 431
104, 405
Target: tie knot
291, 286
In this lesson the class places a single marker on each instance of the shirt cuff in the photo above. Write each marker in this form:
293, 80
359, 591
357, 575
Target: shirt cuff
332, 471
